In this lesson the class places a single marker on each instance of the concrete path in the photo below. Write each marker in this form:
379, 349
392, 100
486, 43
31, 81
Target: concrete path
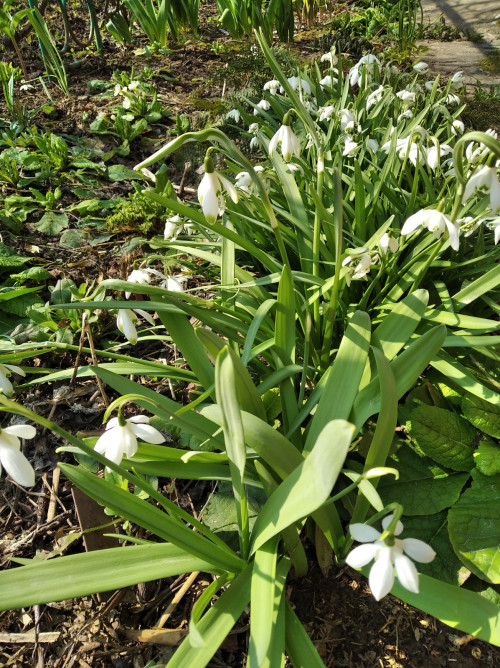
474, 17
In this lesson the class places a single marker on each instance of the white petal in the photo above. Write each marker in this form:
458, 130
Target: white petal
144, 314
15, 369
125, 323
454, 234
147, 433
106, 441
273, 144
413, 222
364, 533
5, 385
418, 550
21, 430
387, 520
138, 419
406, 572
362, 555
495, 194
381, 576
17, 466
210, 206
112, 423
230, 189
128, 440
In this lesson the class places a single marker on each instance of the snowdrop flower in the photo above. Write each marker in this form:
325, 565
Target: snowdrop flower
346, 117
133, 85
368, 64
359, 266
328, 82
142, 277
296, 82
406, 115
120, 438
173, 226
374, 97
350, 148
210, 192
24, 87
387, 243
263, 104
6, 370
429, 85
469, 225
128, 117
387, 557
457, 80
329, 57
372, 145
486, 179
11, 457
433, 154
421, 67
126, 103
253, 128
407, 97
435, 221
234, 115
290, 145
127, 319
474, 152
118, 90
174, 283
272, 86
452, 99
254, 143
495, 226
457, 128
326, 112
353, 127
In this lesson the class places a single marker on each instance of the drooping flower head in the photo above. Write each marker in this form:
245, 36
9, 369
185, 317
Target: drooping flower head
120, 438
11, 457
6, 370
126, 320
485, 180
210, 191
368, 64
436, 222
388, 556
290, 144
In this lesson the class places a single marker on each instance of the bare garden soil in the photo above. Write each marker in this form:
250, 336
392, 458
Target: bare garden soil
348, 627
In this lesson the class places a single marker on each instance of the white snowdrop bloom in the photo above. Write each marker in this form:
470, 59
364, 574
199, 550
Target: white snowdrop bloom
233, 115
210, 194
374, 97
346, 117
475, 152
264, 105
253, 128
351, 147
387, 243
421, 67
457, 127
436, 222
128, 117
367, 64
429, 85
457, 80
296, 83
120, 437
352, 127
25, 87
452, 99
6, 370
433, 155
486, 180
330, 58
142, 277
11, 457
126, 103
290, 144
386, 557
174, 283
359, 266
328, 82
326, 112
126, 320
272, 86
495, 226
392, 70
372, 144
467, 226
407, 97
118, 90
254, 143
244, 182
406, 115
173, 227
134, 85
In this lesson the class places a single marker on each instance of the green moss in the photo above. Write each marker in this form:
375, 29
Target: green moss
491, 63
139, 214
482, 114
215, 106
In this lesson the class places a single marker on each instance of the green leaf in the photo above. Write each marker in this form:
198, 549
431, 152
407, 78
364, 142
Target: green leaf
444, 436
487, 457
75, 238
308, 487
122, 173
32, 274
299, 646
474, 527
482, 414
461, 375
400, 323
91, 572
423, 487
52, 223
433, 530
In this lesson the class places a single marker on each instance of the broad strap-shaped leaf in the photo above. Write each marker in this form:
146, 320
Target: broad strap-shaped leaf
480, 286
399, 324
91, 572
343, 381
299, 646
308, 487
460, 374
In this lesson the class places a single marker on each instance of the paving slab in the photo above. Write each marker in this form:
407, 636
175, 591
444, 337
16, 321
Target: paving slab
480, 21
